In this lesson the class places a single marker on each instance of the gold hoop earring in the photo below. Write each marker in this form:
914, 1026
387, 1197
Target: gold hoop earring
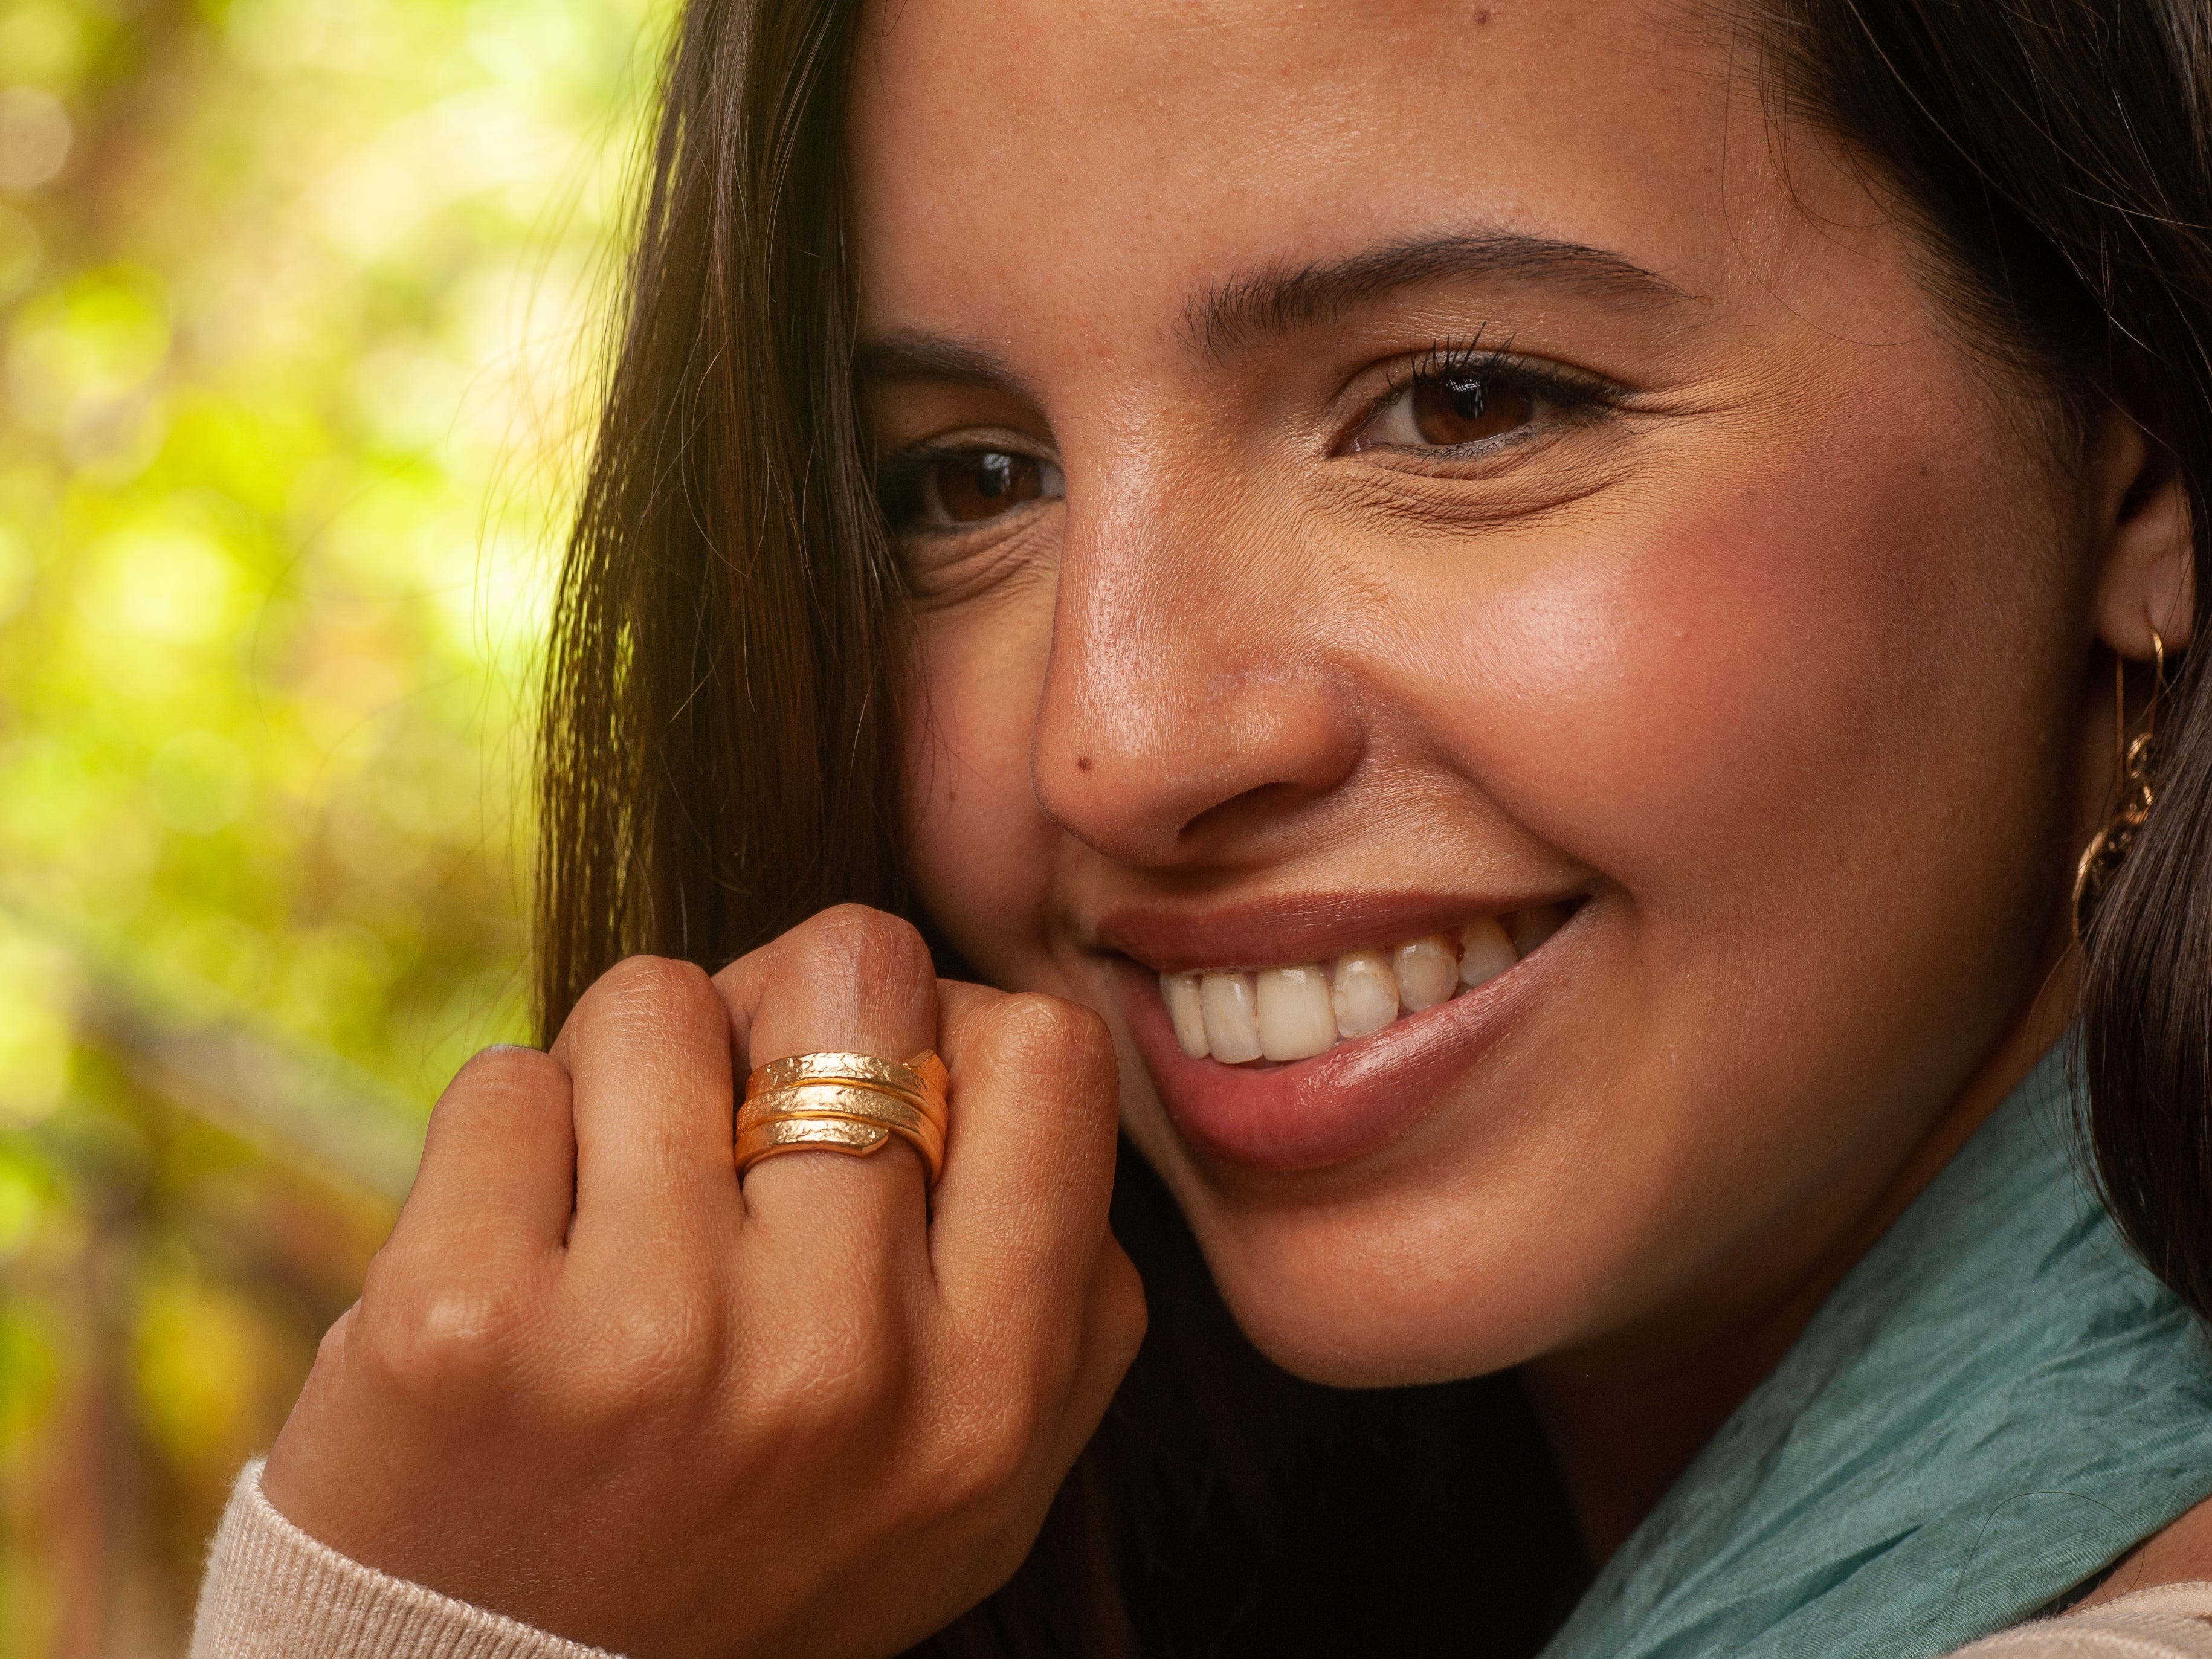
2132, 765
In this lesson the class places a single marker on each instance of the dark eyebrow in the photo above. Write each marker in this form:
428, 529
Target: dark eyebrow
926, 358
1282, 299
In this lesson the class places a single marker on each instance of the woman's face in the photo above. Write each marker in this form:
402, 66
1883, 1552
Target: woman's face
1373, 473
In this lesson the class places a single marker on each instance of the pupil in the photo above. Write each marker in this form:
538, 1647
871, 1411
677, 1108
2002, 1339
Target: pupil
1466, 408
973, 487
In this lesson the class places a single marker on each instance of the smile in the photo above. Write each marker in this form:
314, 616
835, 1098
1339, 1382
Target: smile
1423, 1009
1296, 1012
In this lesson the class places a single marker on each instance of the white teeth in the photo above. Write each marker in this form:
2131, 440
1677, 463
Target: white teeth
1181, 991
1427, 970
1532, 927
1365, 994
1296, 1012
1295, 1020
1485, 952
1229, 1007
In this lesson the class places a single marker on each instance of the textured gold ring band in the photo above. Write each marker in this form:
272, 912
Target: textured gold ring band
849, 1100
796, 1134
838, 1113
922, 1079
832, 1131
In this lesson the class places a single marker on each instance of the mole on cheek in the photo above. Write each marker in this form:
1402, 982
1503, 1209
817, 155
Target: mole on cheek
1083, 764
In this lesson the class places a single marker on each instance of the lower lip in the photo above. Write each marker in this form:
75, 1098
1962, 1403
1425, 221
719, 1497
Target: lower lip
1310, 1114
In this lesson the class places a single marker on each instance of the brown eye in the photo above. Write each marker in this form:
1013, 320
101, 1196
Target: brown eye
970, 487
1464, 408
1461, 406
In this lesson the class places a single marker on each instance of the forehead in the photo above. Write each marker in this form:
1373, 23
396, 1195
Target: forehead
1038, 153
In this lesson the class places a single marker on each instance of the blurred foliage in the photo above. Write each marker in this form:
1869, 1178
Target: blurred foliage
295, 307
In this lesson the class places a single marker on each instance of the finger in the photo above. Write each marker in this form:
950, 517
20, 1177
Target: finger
1020, 1212
1113, 1330
499, 1161
648, 1047
852, 980
1063, 1391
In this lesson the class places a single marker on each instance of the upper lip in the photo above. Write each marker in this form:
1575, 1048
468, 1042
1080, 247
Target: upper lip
1302, 928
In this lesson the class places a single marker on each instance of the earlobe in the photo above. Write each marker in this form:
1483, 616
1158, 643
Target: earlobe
2149, 581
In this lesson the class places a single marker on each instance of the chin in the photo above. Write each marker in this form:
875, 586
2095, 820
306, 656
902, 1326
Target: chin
1350, 1299
1372, 1214
1411, 1266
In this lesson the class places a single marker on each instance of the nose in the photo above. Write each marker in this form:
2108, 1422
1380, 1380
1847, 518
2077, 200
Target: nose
1192, 710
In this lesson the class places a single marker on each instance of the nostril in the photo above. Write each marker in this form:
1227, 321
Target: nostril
1260, 802
1193, 767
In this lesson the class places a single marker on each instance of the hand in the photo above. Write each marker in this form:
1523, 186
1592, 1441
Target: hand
591, 1384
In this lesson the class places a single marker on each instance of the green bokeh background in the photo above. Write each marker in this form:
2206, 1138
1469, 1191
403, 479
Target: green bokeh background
298, 327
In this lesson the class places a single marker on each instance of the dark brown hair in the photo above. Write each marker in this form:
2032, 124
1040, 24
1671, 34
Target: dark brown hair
720, 753
2055, 162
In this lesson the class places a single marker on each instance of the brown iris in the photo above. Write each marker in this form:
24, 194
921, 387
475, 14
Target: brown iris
1462, 409
981, 485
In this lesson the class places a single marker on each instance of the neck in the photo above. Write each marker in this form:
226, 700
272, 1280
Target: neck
1626, 1413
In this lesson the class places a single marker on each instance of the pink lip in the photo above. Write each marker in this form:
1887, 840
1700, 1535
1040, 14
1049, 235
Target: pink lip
1310, 1114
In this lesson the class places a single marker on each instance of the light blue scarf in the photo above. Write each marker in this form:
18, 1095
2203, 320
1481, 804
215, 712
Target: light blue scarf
1997, 1403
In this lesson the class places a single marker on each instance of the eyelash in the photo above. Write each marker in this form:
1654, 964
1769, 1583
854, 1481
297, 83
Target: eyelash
1563, 391
1566, 391
902, 472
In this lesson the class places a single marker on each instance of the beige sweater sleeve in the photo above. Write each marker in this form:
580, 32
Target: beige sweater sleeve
2167, 1621
271, 1592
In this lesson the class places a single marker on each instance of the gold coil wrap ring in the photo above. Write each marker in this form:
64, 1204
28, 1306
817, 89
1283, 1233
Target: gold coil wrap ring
842, 1102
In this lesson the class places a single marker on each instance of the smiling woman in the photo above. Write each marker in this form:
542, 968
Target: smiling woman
1548, 648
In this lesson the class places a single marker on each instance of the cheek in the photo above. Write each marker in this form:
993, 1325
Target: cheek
1806, 743
982, 851
1751, 691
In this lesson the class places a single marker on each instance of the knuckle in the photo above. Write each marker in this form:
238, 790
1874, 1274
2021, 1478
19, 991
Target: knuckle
989, 1428
833, 1382
1054, 1035
670, 1000
387, 1284
990, 1453
507, 1067
657, 981
873, 946
436, 1341
660, 1346
506, 1072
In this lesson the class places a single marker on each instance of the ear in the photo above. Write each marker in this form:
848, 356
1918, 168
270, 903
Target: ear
2148, 577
